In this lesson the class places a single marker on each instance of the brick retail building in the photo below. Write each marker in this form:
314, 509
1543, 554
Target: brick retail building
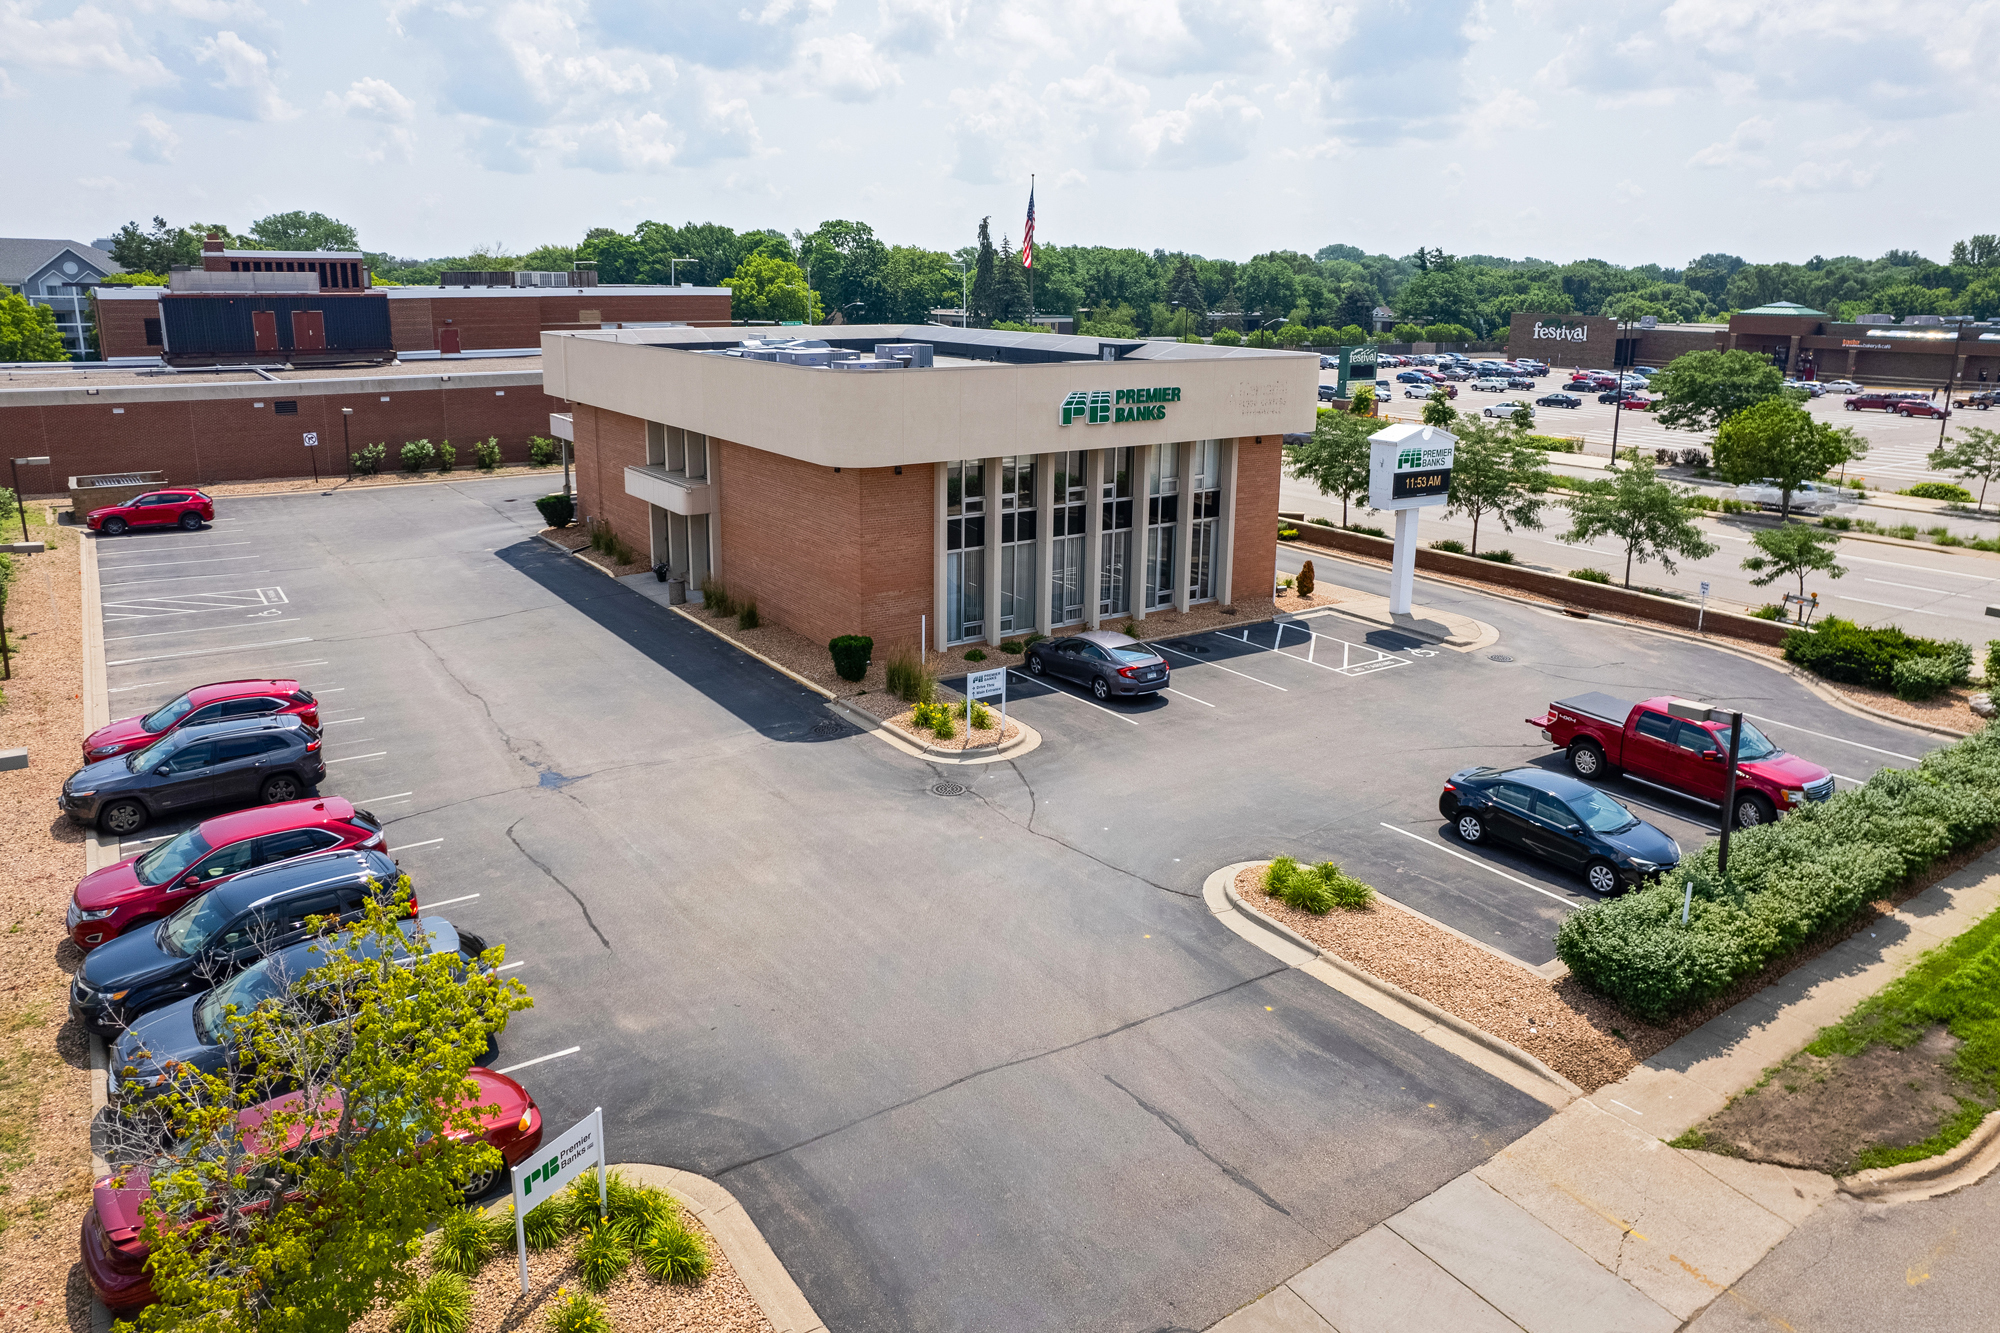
869, 479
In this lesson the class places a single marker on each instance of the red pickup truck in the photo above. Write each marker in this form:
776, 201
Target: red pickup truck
1683, 747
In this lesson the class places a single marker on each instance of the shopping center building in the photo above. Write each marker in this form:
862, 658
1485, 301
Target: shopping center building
965, 484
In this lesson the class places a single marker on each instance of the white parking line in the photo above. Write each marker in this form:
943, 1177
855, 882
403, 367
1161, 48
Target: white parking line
340, 720
205, 546
1859, 782
449, 902
1203, 702
193, 629
210, 652
1939, 592
1823, 736
1893, 606
1482, 865
140, 686
428, 842
351, 758
183, 578
508, 967
1085, 702
540, 1059
173, 564
1218, 666
380, 800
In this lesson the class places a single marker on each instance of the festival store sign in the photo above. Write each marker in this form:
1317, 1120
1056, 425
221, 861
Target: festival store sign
1097, 407
1565, 333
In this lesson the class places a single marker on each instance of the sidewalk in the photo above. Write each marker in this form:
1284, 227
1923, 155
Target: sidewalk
1455, 631
1591, 1222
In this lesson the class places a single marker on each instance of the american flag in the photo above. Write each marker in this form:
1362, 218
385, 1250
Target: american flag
1028, 233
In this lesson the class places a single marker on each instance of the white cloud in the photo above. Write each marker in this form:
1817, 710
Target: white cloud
919, 27
153, 140
846, 67
1840, 177
1213, 127
373, 99
243, 84
88, 41
1742, 147
644, 143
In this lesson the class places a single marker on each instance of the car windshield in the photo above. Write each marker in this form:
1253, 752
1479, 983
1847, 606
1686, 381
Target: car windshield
168, 715
1600, 812
1754, 745
171, 859
150, 758
1133, 655
245, 990
187, 930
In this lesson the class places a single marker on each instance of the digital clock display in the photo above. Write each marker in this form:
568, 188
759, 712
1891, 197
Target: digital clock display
1412, 485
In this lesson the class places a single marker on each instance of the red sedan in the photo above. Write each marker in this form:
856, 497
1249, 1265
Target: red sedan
1921, 407
146, 887
183, 508
205, 703
115, 1253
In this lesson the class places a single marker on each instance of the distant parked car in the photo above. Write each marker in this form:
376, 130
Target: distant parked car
1921, 407
1505, 409
1808, 498
261, 759
1106, 662
1413, 377
1559, 399
1521, 382
1426, 390
1489, 386
1328, 392
1842, 386
1876, 401
181, 507
219, 702
1637, 402
1329, 363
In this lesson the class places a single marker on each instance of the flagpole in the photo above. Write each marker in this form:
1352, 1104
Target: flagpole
1031, 253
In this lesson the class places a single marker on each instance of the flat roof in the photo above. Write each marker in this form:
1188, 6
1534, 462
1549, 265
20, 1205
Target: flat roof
124, 292
954, 346
95, 375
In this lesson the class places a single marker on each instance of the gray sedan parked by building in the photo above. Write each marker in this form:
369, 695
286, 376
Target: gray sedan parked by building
236, 763
1106, 662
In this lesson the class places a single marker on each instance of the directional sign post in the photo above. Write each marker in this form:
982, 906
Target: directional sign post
553, 1166
1700, 614
19, 463
984, 685
312, 442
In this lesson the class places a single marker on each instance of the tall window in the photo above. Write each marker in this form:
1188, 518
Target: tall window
1066, 528
1163, 486
1017, 544
965, 550
1114, 589
1205, 496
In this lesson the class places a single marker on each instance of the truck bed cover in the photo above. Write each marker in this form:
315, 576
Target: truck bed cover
1600, 706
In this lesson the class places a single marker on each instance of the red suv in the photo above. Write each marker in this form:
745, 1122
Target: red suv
1877, 402
143, 888
1920, 407
187, 509
204, 703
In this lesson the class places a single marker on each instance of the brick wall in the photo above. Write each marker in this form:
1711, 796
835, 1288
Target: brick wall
202, 441
606, 444
121, 328
1253, 563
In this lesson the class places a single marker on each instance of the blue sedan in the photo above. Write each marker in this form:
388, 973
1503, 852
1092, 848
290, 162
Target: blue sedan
1558, 818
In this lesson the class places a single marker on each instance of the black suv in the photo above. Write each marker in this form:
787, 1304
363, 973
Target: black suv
222, 932
235, 763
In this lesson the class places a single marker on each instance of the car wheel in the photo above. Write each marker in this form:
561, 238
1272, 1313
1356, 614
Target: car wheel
113, 526
1752, 810
1602, 877
1035, 667
281, 787
190, 521
1099, 688
479, 1182
1586, 759
122, 818
1470, 828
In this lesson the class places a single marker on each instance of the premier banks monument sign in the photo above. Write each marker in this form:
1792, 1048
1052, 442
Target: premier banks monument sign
1409, 468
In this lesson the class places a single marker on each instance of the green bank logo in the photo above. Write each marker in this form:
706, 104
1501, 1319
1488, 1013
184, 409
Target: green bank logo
1097, 407
1407, 459
546, 1171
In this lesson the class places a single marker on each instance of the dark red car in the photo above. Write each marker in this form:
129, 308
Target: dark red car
144, 888
181, 507
1873, 402
219, 702
115, 1252
1921, 407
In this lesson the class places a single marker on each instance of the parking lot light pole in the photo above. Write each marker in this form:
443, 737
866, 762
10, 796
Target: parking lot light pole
20, 503
346, 448
1729, 793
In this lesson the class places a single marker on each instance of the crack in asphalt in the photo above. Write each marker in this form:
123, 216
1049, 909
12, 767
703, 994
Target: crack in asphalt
994, 1069
542, 866
1034, 805
1187, 1137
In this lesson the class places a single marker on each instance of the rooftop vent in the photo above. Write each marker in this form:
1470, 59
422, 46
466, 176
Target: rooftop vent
864, 363
917, 355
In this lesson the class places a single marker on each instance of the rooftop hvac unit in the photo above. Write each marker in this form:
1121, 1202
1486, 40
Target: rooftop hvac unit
917, 355
1926, 319
1876, 319
760, 354
792, 356
863, 363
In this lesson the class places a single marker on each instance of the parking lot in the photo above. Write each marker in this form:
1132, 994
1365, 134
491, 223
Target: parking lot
979, 1059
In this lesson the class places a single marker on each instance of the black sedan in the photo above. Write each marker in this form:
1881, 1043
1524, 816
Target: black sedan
217, 935
1559, 819
1108, 663
236, 763
1559, 399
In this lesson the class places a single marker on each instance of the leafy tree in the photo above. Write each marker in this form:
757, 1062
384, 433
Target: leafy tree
1776, 440
1438, 410
28, 331
1010, 284
983, 279
1184, 288
549, 259
1974, 452
767, 287
1495, 471
1114, 321
1334, 457
1701, 390
1793, 551
1407, 333
158, 250
1268, 287
1979, 252
299, 230
373, 1045
1647, 514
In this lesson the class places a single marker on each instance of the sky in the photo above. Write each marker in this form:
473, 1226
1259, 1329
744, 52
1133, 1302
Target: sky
1632, 132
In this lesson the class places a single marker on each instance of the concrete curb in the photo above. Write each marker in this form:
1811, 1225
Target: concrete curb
1027, 739
96, 712
1967, 1164
338, 485
1496, 1056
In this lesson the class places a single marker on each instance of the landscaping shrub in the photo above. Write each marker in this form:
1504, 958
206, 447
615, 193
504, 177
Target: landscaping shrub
1286, 532
977, 715
602, 1256
908, 678
1918, 678
1770, 611
417, 455
1451, 544
486, 454
1938, 490
1590, 575
941, 724
975, 654
1902, 532
1316, 889
746, 615
446, 456
557, 510
1707, 504
1738, 507
367, 460
1841, 650
1014, 646
605, 541
1366, 530
1836, 522
850, 655
6, 504
546, 1225
928, 714
671, 1252
1498, 557
577, 1312
1305, 584
441, 1303
464, 1242
715, 599
1788, 881
1993, 661
1130, 629
543, 451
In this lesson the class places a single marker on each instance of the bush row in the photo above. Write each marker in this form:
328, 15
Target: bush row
1787, 882
1842, 650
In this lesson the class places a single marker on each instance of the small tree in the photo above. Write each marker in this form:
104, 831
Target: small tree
1438, 411
1496, 472
27, 331
1362, 404
1701, 390
1793, 551
1649, 515
447, 455
1305, 580
1973, 453
1778, 441
1523, 418
1334, 458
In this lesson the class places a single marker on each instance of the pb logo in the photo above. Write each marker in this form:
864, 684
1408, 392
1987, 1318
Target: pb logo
546, 1171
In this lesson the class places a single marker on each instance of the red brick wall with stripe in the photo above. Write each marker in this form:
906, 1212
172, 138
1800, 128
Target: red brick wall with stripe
1253, 562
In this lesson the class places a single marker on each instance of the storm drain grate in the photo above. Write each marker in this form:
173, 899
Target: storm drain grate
831, 727
1498, 657
947, 789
